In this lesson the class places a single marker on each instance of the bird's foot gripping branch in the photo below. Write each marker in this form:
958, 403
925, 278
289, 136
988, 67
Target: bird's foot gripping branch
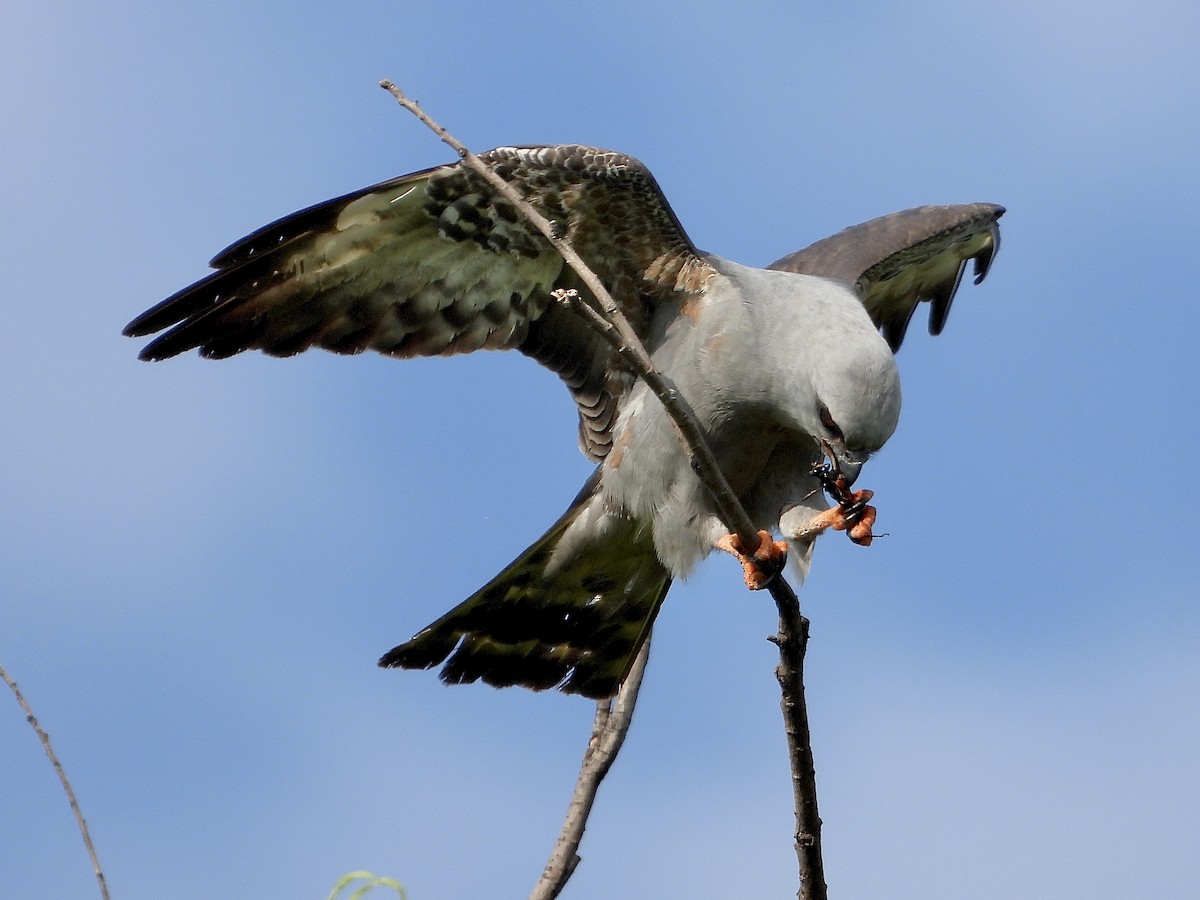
851, 513
760, 566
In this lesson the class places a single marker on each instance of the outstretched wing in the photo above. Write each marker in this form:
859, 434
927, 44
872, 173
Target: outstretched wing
434, 263
896, 261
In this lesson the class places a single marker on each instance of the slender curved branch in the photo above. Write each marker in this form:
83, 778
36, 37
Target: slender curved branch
793, 627
609, 728
62, 776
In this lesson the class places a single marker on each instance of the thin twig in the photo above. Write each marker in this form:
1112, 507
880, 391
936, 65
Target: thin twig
62, 776
793, 629
613, 718
792, 641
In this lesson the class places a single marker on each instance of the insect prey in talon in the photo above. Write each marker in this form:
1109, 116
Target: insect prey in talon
853, 514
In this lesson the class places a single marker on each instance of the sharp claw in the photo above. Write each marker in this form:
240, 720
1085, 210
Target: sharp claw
765, 563
857, 518
861, 532
852, 512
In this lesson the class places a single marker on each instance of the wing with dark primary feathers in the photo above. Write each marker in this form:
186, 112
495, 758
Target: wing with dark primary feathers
434, 263
896, 261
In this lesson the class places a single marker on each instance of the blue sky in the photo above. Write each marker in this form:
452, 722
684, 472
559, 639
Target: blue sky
200, 562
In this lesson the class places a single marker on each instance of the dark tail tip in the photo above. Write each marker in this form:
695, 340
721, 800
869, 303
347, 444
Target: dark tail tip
424, 651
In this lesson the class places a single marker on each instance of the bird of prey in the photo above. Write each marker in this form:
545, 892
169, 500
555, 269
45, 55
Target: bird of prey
778, 363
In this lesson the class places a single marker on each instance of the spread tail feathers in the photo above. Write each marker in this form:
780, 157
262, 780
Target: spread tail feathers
573, 619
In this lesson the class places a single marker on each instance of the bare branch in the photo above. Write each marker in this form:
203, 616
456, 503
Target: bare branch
792, 640
613, 718
62, 776
612, 722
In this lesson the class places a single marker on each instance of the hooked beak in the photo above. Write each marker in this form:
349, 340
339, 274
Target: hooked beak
850, 462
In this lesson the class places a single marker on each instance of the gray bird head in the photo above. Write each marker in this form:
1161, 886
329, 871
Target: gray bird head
857, 401
841, 383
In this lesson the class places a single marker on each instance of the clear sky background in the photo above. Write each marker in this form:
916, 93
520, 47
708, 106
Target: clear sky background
200, 562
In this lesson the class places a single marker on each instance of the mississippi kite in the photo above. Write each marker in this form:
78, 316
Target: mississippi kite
776, 362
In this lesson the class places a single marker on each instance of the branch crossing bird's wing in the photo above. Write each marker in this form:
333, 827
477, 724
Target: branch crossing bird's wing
434, 263
898, 260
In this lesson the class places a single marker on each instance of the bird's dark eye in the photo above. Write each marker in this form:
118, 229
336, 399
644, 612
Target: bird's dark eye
830, 425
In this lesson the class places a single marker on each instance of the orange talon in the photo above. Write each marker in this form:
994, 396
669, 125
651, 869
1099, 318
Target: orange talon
766, 562
858, 527
851, 511
861, 532
822, 521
